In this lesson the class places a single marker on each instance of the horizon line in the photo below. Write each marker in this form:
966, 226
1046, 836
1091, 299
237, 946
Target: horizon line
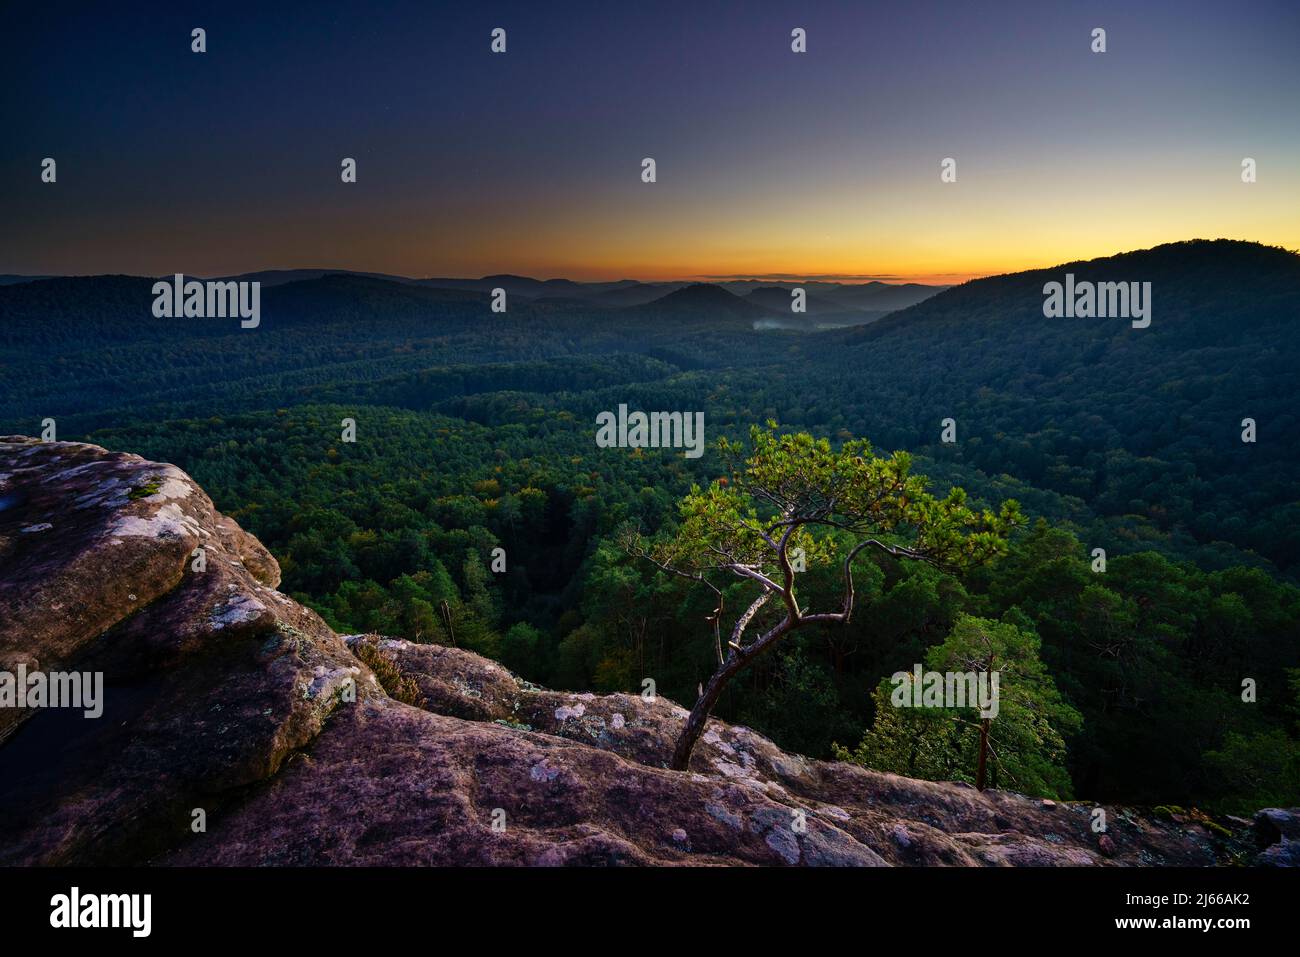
838, 278
826, 278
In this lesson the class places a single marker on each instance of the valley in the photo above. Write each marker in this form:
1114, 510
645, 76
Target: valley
478, 431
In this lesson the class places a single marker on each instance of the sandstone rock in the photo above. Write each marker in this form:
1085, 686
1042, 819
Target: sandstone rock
223, 694
1277, 833
1285, 853
1273, 824
212, 678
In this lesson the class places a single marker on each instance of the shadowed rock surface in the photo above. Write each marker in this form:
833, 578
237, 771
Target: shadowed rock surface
222, 694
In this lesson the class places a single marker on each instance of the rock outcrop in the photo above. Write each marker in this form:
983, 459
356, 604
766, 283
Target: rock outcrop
239, 729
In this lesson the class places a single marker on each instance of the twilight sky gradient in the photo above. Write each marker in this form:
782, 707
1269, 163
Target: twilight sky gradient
471, 163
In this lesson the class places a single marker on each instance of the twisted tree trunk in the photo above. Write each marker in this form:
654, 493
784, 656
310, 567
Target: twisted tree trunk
982, 765
699, 716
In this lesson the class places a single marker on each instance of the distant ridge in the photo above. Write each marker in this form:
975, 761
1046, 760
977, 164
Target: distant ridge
279, 277
1186, 275
707, 297
778, 299
876, 297
881, 296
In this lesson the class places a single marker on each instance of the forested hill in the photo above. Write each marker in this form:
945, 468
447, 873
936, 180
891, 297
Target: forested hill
1140, 428
88, 351
475, 430
1139, 422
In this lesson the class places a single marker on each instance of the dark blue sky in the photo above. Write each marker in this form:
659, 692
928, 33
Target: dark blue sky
472, 163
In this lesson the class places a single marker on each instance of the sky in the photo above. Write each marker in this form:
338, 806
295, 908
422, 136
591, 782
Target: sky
769, 162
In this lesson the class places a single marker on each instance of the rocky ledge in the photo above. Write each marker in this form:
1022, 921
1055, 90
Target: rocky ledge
238, 729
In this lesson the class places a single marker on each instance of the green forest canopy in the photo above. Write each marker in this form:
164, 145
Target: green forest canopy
476, 431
